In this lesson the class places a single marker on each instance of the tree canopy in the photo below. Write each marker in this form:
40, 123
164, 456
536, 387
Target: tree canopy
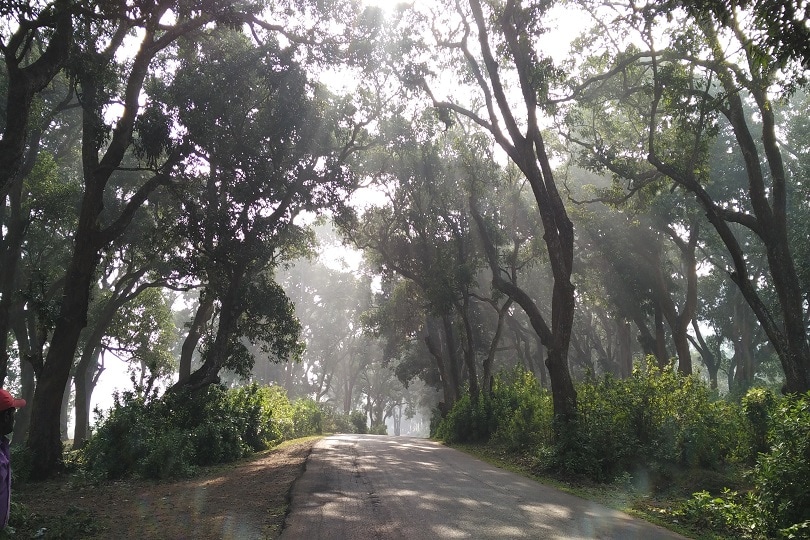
169, 170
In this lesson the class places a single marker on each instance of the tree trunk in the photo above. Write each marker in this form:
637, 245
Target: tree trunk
83, 379
706, 354
624, 349
64, 415
468, 349
541, 365
44, 440
10, 247
205, 310
229, 312
489, 361
22, 419
450, 352
661, 356
449, 385
556, 341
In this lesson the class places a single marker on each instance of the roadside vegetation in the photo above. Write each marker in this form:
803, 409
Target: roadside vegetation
657, 444
172, 438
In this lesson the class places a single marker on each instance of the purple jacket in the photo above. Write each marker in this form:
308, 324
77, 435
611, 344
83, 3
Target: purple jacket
5, 482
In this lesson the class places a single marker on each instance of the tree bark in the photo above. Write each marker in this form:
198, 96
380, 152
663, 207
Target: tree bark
489, 361
22, 419
205, 310
624, 350
216, 355
83, 380
469, 349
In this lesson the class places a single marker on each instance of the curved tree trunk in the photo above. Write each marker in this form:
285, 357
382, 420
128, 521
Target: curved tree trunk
489, 361
205, 310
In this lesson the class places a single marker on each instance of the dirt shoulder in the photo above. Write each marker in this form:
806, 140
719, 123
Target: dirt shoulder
247, 499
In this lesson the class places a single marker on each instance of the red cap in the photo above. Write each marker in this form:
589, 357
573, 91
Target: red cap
7, 401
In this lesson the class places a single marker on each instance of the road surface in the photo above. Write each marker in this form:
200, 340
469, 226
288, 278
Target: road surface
359, 487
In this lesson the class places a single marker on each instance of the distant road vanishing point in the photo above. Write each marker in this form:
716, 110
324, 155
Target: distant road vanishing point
359, 487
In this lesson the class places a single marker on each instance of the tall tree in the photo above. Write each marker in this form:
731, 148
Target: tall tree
278, 148
683, 96
492, 43
100, 73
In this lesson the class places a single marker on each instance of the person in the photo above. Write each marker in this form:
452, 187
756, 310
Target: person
8, 406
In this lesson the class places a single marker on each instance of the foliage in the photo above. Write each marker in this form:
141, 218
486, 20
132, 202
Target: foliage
517, 413
758, 405
779, 504
782, 475
655, 419
358, 420
333, 421
526, 410
173, 435
307, 418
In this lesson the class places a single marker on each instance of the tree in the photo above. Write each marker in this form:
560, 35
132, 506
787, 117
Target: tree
99, 73
33, 54
685, 95
423, 235
493, 44
277, 148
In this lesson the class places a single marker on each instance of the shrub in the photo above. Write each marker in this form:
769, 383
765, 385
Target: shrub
307, 418
358, 419
782, 475
333, 421
779, 504
521, 412
758, 405
517, 413
728, 514
656, 418
460, 424
73, 524
173, 435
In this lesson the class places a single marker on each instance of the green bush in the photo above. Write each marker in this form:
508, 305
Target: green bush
333, 421
779, 504
307, 418
517, 413
358, 419
173, 435
782, 475
73, 524
727, 514
655, 418
521, 412
758, 405
465, 422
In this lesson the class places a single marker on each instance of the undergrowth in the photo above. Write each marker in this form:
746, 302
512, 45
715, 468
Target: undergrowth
666, 443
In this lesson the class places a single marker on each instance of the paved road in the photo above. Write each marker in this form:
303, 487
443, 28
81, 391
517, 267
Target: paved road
359, 487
